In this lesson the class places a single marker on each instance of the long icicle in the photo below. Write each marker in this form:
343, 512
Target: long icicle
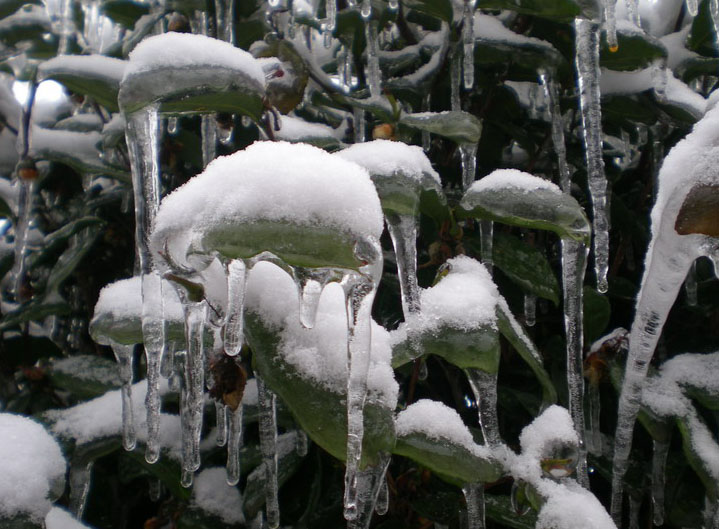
484, 387
403, 231
474, 496
610, 24
234, 443
221, 421
374, 75
124, 357
79, 477
588, 73
26, 199
468, 43
233, 336
268, 447
659, 464
370, 483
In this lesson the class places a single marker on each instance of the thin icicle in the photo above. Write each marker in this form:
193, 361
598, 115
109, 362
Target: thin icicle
633, 11
455, 72
221, 420
594, 437
233, 330
359, 125
635, 504
208, 130
474, 496
693, 7
268, 447
225, 16
403, 231
690, 285
530, 310
468, 43
714, 12
610, 24
172, 125
22, 229
167, 369
233, 446
124, 357
659, 463
587, 64
186, 478
301, 443
484, 387
574, 264
374, 75
486, 243
370, 483
331, 12
552, 94
382, 505
426, 138
155, 489
310, 283
153, 332
67, 27
193, 384
80, 477
468, 155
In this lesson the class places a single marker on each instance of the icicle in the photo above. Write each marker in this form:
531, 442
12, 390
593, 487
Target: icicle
486, 243
153, 332
26, 198
370, 483
246, 121
67, 27
225, 133
690, 285
192, 396
155, 490
233, 329
301, 443
374, 75
484, 387
268, 447
167, 368
359, 292
693, 7
714, 12
221, 420
366, 9
454, 75
186, 478
518, 498
574, 264
225, 16
587, 64
530, 310
80, 477
552, 94
382, 505
468, 43
326, 36
426, 138
331, 12
172, 125
635, 504
124, 357
233, 446
659, 463
209, 138
359, 125
633, 11
403, 231
474, 496
310, 283
594, 438
610, 24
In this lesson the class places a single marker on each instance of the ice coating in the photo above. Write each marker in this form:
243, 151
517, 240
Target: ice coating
295, 129
439, 422
274, 181
489, 28
186, 50
319, 353
213, 495
384, 157
502, 178
33, 471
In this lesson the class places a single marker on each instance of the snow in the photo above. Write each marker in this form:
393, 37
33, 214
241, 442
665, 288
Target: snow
108, 67
320, 353
85, 367
490, 28
212, 494
59, 518
677, 52
553, 425
295, 129
439, 422
184, 50
388, 158
33, 470
270, 181
503, 178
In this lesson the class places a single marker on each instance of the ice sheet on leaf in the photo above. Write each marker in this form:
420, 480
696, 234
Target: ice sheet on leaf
212, 494
118, 312
33, 470
297, 130
297, 201
186, 73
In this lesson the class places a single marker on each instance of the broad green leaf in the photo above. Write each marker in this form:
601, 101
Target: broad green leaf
96, 76
459, 126
441, 9
35, 310
542, 208
701, 37
694, 67
525, 265
597, 312
28, 23
322, 413
451, 460
554, 9
85, 376
125, 12
629, 109
8, 7
144, 25
636, 50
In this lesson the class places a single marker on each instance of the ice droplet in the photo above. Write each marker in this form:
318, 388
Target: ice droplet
172, 125
366, 9
310, 283
693, 7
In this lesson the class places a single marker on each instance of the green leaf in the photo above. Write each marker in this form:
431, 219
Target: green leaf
525, 265
636, 50
597, 312
144, 25
500, 510
72, 256
28, 23
95, 76
125, 12
544, 209
701, 37
447, 458
35, 310
624, 109
54, 241
21, 521
441, 9
555, 9
85, 376
459, 126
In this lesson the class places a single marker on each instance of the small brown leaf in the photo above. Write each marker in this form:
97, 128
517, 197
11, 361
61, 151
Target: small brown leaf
700, 212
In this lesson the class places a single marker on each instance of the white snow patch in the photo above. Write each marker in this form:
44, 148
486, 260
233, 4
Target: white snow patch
100, 64
59, 518
212, 494
388, 158
553, 425
123, 300
502, 178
